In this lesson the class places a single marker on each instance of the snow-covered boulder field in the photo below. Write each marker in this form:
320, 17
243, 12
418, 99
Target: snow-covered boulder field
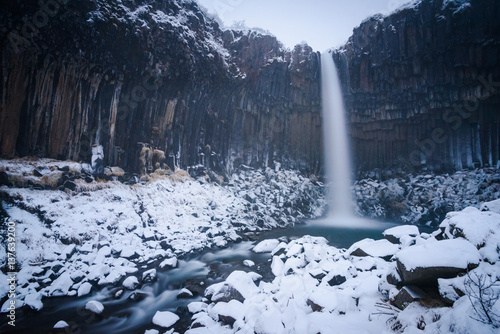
77, 233
410, 282
426, 198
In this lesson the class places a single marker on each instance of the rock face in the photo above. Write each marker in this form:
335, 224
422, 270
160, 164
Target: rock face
141, 76
422, 86
156, 82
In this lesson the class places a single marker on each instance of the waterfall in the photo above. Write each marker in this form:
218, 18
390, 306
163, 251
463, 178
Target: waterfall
335, 142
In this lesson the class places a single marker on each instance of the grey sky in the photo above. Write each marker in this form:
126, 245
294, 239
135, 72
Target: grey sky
321, 23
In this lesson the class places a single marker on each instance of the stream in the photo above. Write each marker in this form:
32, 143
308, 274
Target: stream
132, 311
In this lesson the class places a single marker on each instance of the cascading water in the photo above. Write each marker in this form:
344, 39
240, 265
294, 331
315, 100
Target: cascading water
336, 143
341, 218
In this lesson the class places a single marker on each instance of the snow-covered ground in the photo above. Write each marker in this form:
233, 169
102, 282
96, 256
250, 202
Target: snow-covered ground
76, 234
424, 198
102, 231
423, 283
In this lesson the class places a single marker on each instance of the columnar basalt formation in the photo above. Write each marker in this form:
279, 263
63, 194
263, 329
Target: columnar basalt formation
422, 86
158, 74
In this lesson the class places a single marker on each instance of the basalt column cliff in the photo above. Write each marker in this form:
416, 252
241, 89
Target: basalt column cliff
422, 86
158, 82
153, 79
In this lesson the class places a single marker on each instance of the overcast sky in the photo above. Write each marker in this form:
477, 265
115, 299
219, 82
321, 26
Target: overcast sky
321, 23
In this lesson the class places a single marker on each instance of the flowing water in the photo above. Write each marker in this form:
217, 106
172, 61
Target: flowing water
122, 315
336, 143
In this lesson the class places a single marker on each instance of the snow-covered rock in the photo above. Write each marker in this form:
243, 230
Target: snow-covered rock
84, 289
165, 319
395, 234
34, 300
376, 248
248, 263
61, 324
130, 283
94, 306
433, 260
60, 286
184, 293
168, 263
149, 275
266, 246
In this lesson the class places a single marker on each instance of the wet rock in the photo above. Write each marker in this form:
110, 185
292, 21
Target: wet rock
149, 276
184, 294
195, 285
137, 296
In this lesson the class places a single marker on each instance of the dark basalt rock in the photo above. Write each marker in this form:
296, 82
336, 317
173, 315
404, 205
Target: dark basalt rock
4, 179
226, 294
422, 86
337, 280
429, 275
120, 83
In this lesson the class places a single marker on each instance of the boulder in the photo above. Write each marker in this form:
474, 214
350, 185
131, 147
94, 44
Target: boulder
411, 293
266, 246
94, 306
375, 248
395, 234
165, 319
424, 264
184, 293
